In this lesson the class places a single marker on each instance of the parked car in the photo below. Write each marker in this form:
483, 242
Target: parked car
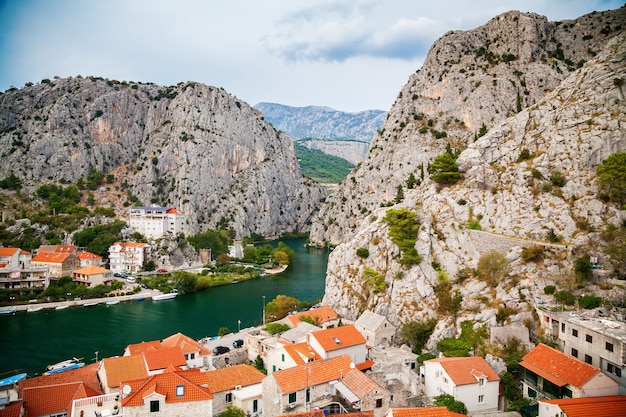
120, 274
162, 270
220, 350
238, 343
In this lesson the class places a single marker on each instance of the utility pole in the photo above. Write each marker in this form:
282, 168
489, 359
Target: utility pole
264, 311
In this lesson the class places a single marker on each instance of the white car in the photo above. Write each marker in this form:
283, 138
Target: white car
131, 280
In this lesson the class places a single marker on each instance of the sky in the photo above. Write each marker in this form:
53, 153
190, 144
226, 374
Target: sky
350, 55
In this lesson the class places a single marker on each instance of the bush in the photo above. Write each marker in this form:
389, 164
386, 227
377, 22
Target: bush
549, 289
565, 297
558, 179
589, 301
532, 253
403, 228
524, 155
444, 169
493, 267
273, 328
583, 268
362, 252
416, 334
448, 401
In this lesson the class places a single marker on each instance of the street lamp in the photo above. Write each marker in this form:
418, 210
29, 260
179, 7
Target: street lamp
263, 310
238, 326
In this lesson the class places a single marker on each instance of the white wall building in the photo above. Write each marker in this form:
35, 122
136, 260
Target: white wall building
154, 222
128, 256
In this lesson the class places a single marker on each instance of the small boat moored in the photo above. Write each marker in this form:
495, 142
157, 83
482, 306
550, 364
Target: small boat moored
112, 302
7, 310
34, 309
166, 296
12, 379
90, 304
63, 366
62, 307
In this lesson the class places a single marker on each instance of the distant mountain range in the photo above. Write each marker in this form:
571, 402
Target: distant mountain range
319, 122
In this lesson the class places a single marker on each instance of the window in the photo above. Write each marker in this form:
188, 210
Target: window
589, 338
229, 397
613, 369
379, 402
481, 381
154, 406
575, 352
481, 399
562, 327
575, 332
192, 356
255, 406
292, 398
588, 359
609, 346
308, 395
282, 357
180, 390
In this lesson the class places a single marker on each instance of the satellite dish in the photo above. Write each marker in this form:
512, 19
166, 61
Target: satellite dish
126, 389
352, 365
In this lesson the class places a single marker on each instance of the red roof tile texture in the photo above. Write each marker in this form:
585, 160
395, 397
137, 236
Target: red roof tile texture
164, 357
467, 370
51, 257
166, 384
8, 251
299, 351
186, 343
423, 412
338, 337
53, 399
124, 368
608, 406
228, 378
312, 373
557, 367
142, 347
320, 315
13, 409
86, 374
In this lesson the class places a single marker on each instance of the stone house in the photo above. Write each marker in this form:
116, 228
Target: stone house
238, 385
195, 354
59, 264
376, 329
339, 341
90, 276
468, 379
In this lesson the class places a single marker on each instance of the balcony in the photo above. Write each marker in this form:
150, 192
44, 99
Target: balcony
99, 406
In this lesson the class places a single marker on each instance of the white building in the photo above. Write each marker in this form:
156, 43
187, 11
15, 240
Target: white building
154, 222
470, 380
339, 341
128, 256
376, 328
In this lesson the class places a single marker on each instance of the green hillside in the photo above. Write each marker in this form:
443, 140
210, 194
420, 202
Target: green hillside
320, 166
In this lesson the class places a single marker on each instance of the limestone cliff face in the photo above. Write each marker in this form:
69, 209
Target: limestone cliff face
191, 146
571, 120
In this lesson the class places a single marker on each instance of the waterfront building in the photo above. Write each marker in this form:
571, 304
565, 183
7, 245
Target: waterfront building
153, 222
17, 273
91, 276
112, 371
468, 379
195, 354
89, 259
59, 264
128, 256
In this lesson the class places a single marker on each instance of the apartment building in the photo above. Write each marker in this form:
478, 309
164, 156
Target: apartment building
154, 221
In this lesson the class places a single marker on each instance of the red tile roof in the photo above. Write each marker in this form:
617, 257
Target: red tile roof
467, 370
608, 406
312, 373
57, 248
142, 347
91, 270
86, 374
165, 384
8, 251
186, 343
338, 337
557, 367
323, 314
53, 399
88, 255
299, 351
13, 409
228, 378
51, 257
359, 383
124, 368
164, 357
422, 412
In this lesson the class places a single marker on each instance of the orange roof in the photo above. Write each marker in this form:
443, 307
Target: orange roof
91, 270
323, 314
53, 399
8, 251
609, 406
467, 370
186, 343
422, 412
13, 409
123, 368
24, 252
359, 383
165, 384
228, 378
57, 248
88, 255
299, 351
173, 210
138, 348
86, 374
51, 257
164, 357
557, 367
130, 244
320, 413
312, 373
338, 337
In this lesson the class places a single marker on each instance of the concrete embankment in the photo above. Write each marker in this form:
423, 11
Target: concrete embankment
77, 303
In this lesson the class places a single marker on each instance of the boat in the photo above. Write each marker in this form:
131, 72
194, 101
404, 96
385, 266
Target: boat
95, 303
12, 379
7, 310
139, 298
62, 307
63, 366
112, 302
166, 296
34, 309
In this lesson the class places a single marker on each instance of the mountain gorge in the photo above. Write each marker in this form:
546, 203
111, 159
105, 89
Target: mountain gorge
520, 102
191, 146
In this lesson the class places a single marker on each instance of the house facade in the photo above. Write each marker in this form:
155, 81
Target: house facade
59, 264
17, 273
468, 379
195, 354
128, 256
89, 259
547, 373
339, 341
377, 330
239, 386
154, 222
598, 341
291, 355
91, 276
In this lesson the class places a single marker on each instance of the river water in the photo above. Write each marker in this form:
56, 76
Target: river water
30, 341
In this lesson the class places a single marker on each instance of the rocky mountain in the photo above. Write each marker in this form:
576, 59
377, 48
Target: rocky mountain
524, 101
343, 134
191, 146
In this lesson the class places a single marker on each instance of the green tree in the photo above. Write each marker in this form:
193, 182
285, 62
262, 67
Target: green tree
564, 297
186, 282
215, 240
589, 301
12, 182
583, 268
399, 194
493, 267
232, 411
280, 306
362, 252
223, 331
448, 401
403, 228
281, 257
615, 238
416, 334
411, 182
612, 177
273, 328
444, 169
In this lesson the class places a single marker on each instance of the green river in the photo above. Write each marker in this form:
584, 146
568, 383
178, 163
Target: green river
30, 341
